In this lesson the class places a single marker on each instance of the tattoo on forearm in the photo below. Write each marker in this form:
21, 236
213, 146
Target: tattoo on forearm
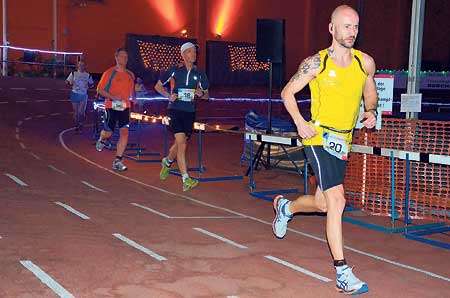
310, 63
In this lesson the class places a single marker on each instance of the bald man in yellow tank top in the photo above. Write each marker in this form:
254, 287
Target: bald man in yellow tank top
338, 77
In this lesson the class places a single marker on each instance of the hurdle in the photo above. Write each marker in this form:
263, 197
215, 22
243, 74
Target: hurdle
394, 155
276, 140
99, 107
418, 235
139, 156
200, 128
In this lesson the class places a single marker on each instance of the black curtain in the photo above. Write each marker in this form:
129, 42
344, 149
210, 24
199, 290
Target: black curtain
148, 55
234, 63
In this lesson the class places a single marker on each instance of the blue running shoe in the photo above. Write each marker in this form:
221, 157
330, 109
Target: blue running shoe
348, 284
279, 224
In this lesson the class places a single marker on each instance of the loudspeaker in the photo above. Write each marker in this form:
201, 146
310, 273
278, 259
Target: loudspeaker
270, 40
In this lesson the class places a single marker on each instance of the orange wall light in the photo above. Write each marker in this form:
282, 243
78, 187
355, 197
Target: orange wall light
168, 10
225, 12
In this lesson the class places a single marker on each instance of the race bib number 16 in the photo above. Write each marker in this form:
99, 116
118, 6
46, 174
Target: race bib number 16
336, 145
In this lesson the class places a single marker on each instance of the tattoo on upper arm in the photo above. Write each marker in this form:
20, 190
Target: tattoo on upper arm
310, 63
316, 61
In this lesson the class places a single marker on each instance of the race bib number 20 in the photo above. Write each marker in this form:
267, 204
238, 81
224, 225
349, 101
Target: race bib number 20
336, 145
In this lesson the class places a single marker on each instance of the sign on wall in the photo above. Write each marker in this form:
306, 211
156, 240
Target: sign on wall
385, 91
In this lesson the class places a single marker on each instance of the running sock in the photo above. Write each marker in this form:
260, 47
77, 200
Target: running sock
184, 177
118, 157
168, 162
340, 265
286, 209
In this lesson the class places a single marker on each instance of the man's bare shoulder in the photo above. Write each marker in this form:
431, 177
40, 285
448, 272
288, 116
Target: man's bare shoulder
314, 61
369, 62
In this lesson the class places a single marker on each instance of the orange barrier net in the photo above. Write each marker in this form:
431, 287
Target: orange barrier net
368, 178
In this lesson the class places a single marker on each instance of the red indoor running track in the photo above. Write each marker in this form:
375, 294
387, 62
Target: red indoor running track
71, 227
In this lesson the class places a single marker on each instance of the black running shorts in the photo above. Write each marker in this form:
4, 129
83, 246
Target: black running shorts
181, 121
329, 170
113, 116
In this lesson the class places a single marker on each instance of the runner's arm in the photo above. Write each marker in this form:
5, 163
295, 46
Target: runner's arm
307, 71
369, 117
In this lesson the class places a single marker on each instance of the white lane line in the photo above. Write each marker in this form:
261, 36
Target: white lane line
74, 211
39, 116
220, 238
151, 210
4, 102
35, 156
92, 186
55, 114
63, 100
22, 145
139, 247
42, 89
15, 179
397, 263
182, 217
21, 101
19, 123
401, 265
17, 130
232, 296
57, 170
205, 217
17, 136
28, 118
47, 279
43, 100
18, 88
299, 269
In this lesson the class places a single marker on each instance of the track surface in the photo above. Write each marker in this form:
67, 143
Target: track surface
74, 222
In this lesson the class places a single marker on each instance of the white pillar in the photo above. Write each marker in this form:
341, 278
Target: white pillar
55, 25
55, 33
415, 50
5, 43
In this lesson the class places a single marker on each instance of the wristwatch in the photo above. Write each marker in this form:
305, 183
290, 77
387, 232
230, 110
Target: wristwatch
374, 111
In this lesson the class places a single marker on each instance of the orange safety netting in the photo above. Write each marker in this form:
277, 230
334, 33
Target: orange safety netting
368, 177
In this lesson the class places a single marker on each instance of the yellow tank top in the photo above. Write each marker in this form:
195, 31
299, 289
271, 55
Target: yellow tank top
336, 95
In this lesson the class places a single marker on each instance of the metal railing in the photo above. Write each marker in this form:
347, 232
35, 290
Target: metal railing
27, 62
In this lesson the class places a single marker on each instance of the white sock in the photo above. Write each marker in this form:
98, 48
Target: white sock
169, 162
184, 177
286, 209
